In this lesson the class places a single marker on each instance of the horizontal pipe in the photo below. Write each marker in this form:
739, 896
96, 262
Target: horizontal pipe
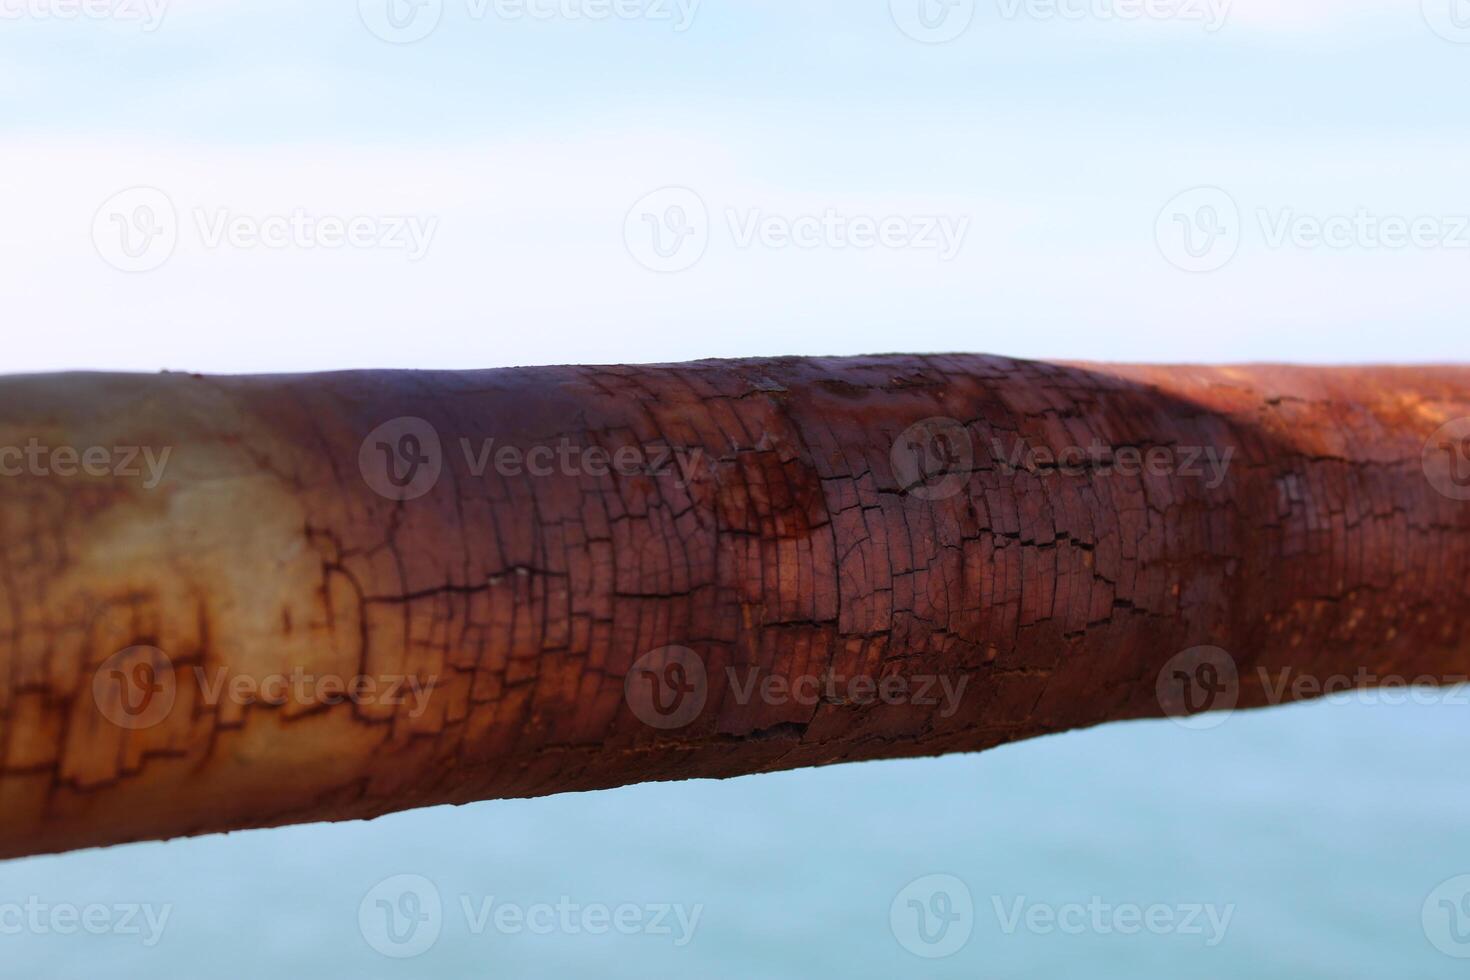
231, 602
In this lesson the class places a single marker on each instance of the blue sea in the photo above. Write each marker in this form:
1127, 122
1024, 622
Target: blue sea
1319, 840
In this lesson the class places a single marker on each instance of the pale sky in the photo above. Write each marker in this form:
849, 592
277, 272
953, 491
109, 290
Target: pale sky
1033, 178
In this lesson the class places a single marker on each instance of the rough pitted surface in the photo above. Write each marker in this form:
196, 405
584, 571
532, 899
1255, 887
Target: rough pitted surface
783, 535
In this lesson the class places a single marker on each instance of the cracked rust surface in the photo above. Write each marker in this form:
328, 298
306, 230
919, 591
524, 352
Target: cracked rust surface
771, 525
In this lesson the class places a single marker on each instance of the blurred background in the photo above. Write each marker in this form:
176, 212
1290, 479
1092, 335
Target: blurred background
275, 185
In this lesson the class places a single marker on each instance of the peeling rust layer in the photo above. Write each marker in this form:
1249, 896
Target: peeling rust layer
784, 535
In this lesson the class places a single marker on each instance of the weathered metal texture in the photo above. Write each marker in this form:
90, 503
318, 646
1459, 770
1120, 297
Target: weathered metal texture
696, 570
